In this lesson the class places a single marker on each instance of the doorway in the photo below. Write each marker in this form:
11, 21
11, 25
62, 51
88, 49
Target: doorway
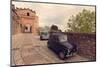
27, 29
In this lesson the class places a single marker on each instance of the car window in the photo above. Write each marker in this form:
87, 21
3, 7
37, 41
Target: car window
44, 33
54, 38
62, 38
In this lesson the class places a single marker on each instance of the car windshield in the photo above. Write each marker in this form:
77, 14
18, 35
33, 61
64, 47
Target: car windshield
62, 38
44, 33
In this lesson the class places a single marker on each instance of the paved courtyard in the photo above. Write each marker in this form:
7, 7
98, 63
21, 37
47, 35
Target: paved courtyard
28, 49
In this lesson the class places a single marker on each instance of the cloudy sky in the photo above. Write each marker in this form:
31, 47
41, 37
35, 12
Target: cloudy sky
49, 14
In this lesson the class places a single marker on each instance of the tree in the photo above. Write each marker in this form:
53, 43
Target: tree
54, 27
82, 22
42, 29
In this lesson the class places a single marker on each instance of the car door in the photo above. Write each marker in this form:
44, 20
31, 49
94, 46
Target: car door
56, 45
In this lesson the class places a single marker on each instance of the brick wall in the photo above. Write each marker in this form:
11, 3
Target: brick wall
86, 43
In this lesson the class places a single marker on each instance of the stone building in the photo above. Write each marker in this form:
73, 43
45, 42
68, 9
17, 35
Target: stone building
15, 21
24, 20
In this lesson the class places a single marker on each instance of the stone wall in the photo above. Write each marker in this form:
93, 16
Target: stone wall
86, 43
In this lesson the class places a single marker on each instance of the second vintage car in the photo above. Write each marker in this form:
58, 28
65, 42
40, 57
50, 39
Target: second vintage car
44, 35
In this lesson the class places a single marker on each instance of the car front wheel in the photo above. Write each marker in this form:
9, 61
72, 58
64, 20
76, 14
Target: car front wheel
41, 38
61, 55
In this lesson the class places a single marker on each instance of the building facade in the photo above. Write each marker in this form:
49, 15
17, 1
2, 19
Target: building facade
24, 20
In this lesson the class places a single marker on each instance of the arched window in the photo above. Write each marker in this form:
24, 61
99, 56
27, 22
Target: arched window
28, 14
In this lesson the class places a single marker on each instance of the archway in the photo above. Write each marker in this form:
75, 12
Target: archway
27, 28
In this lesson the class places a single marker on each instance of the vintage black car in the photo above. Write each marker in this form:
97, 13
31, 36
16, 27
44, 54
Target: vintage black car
59, 44
44, 35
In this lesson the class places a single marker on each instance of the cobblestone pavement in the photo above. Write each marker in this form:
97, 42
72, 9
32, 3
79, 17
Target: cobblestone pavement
29, 49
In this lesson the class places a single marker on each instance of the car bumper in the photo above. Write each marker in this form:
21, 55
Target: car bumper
72, 54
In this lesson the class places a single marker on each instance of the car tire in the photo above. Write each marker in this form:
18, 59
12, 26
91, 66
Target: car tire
41, 38
48, 46
61, 55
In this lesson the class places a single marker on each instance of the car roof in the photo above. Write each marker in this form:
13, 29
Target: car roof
57, 33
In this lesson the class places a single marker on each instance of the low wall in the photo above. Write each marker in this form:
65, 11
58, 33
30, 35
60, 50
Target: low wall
86, 43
